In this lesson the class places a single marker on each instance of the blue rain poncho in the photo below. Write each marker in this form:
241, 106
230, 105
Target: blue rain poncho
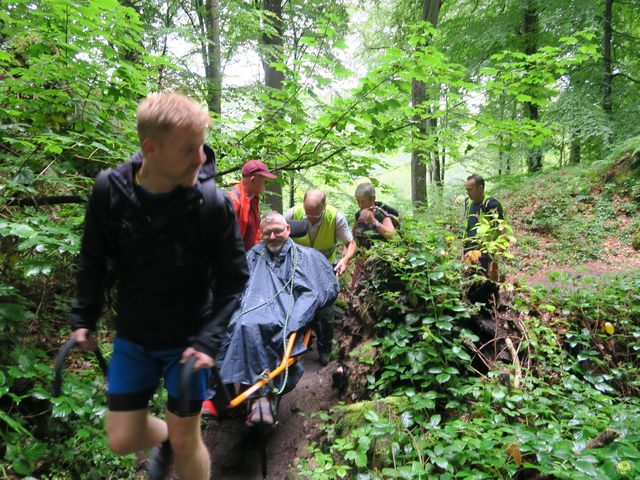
255, 341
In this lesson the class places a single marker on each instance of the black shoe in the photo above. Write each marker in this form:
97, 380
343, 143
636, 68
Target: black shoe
160, 461
324, 358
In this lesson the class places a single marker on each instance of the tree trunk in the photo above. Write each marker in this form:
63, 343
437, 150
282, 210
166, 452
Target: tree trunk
500, 155
208, 15
273, 78
561, 149
168, 22
419, 158
443, 157
128, 54
292, 191
575, 150
435, 156
607, 104
213, 64
431, 11
444, 123
534, 157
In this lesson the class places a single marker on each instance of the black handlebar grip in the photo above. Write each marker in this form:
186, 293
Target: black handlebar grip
185, 383
59, 365
60, 358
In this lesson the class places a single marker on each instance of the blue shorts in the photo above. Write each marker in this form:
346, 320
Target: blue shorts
134, 376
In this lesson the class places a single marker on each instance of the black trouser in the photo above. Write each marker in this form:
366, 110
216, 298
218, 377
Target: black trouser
484, 291
323, 328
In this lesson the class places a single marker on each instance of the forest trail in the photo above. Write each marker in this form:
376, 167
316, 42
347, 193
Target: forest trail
234, 448
617, 259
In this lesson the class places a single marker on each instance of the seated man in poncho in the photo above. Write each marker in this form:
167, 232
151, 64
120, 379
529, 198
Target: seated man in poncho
288, 283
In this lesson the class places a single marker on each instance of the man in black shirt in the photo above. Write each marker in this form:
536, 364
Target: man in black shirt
170, 238
479, 206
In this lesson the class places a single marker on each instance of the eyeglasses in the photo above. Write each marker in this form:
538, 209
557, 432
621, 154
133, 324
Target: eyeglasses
277, 231
314, 217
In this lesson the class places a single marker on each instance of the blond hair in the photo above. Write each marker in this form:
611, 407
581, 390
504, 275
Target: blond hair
160, 112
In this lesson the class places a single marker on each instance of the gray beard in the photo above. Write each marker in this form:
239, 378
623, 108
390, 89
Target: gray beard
275, 251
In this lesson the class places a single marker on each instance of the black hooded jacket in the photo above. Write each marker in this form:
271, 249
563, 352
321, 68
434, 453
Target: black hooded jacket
165, 265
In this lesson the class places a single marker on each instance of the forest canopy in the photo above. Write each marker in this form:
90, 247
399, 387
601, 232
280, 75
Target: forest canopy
539, 97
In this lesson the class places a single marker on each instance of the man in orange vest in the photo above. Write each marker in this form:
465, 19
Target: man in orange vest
245, 196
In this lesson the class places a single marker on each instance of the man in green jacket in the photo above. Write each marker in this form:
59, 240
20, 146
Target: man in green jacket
326, 226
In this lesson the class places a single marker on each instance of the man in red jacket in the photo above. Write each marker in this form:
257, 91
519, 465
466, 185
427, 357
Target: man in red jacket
245, 196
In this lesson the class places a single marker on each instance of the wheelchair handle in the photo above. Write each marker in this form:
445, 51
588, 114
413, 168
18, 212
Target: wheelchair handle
185, 384
62, 356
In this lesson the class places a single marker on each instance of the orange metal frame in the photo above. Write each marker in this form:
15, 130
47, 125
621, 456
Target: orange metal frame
287, 360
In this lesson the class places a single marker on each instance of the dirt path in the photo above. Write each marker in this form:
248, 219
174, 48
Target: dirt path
235, 451
617, 259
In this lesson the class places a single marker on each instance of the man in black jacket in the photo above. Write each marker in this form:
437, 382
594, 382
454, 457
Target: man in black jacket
169, 237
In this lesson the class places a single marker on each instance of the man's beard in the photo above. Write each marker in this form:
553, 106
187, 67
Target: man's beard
275, 248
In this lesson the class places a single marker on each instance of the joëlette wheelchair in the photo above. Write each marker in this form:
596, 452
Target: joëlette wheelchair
227, 404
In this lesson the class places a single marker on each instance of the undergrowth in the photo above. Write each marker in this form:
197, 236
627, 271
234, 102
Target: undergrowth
434, 415
576, 211
41, 436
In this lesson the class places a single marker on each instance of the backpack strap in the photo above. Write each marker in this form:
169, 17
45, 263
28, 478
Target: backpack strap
102, 205
390, 212
101, 191
210, 211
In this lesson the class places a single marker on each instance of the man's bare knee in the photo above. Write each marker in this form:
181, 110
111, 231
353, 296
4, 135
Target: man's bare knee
120, 444
126, 431
192, 457
184, 433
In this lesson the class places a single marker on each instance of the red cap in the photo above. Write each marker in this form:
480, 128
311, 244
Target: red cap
256, 167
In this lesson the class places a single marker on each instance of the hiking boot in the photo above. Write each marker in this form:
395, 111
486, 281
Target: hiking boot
209, 410
160, 461
323, 358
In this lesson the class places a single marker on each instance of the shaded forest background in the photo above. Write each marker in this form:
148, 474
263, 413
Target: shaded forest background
539, 97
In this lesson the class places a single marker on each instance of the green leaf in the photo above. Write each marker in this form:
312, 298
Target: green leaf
460, 353
34, 451
371, 416
434, 421
436, 275
21, 466
441, 462
407, 419
17, 427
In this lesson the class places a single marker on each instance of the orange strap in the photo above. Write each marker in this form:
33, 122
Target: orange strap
287, 360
